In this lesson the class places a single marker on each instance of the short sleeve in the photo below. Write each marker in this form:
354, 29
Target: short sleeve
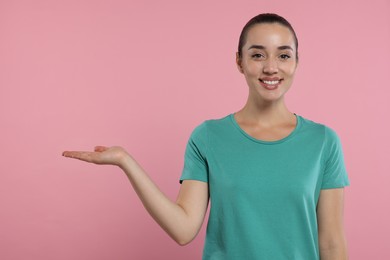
195, 159
335, 174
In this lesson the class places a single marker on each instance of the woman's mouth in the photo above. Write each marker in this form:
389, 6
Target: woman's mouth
270, 84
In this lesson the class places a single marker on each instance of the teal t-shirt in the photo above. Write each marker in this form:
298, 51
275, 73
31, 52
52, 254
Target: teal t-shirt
263, 194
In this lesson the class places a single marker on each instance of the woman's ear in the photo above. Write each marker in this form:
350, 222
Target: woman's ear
239, 63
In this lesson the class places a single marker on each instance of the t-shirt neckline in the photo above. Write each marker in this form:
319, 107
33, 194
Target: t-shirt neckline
291, 135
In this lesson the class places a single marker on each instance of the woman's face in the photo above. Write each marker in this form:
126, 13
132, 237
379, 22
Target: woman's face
268, 61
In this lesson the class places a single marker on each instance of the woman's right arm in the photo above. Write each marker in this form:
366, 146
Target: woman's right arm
181, 219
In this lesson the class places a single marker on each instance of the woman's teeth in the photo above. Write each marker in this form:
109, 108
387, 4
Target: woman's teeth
274, 82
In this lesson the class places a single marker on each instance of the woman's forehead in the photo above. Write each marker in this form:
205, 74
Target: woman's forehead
269, 35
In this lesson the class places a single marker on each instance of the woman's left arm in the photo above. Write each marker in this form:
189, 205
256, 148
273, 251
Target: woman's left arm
331, 237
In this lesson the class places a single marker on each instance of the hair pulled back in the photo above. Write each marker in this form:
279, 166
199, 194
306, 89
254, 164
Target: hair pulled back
265, 18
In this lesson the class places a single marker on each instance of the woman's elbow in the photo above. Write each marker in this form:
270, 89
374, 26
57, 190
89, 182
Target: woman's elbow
334, 249
182, 241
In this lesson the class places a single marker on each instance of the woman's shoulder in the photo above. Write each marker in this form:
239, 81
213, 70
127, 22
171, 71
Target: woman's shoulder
320, 127
211, 125
214, 122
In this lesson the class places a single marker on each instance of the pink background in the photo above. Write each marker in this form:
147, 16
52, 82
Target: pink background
143, 74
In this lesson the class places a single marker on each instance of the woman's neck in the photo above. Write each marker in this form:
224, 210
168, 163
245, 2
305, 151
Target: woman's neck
265, 113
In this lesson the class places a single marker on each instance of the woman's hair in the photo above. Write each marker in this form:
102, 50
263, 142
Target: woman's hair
265, 18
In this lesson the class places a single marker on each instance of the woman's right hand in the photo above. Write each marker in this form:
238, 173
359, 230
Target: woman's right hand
114, 155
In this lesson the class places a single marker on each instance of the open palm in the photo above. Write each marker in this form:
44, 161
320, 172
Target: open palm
101, 155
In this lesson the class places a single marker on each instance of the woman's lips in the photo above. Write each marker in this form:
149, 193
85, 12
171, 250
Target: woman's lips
270, 84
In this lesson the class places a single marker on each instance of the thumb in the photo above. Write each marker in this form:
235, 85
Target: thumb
100, 148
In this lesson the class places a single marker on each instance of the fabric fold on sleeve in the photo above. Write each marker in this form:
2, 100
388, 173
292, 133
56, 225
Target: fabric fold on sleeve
195, 158
335, 173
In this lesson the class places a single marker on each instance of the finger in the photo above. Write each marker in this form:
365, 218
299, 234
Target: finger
66, 153
100, 148
84, 156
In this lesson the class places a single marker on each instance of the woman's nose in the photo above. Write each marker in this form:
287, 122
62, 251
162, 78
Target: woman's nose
270, 66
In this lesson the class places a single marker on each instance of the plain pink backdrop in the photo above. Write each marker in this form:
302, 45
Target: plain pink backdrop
143, 74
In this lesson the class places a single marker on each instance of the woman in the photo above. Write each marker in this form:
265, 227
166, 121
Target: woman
275, 179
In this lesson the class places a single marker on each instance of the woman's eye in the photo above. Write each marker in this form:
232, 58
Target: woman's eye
257, 56
284, 56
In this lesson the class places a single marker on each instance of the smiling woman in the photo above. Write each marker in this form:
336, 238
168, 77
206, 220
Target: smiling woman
274, 178
268, 59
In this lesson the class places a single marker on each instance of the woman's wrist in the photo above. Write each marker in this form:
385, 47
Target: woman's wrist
126, 163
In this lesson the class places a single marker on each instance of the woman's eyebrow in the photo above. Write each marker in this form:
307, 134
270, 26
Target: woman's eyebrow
285, 47
261, 47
